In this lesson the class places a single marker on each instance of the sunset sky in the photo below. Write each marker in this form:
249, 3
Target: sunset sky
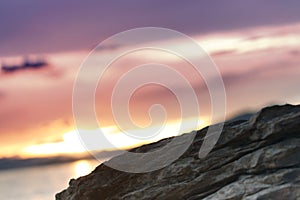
254, 44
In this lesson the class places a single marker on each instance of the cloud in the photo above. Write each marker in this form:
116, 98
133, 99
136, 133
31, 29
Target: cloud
269, 69
295, 52
24, 66
53, 25
223, 53
2, 94
37, 105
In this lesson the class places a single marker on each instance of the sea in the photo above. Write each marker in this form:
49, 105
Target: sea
41, 182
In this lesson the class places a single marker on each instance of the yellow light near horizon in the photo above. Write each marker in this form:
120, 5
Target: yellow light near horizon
123, 141
72, 143
82, 168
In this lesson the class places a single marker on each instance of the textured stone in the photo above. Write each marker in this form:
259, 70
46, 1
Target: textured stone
256, 159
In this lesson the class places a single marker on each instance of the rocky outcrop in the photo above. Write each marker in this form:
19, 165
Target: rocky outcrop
254, 159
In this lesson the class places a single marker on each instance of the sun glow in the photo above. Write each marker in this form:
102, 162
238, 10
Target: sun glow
71, 142
82, 168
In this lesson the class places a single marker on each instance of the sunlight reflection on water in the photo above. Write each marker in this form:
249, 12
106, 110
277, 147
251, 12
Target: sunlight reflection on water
41, 182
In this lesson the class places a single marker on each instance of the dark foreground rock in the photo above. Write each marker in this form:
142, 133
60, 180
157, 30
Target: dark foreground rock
255, 159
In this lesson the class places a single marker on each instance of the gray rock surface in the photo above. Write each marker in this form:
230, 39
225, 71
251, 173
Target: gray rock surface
254, 160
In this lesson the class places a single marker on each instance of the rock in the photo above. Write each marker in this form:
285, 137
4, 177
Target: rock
254, 160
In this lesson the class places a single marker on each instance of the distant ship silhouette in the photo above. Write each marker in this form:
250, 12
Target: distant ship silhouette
27, 64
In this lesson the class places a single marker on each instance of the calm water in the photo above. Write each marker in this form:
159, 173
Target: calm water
42, 182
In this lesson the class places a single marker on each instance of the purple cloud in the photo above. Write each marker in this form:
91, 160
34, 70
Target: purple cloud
52, 25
